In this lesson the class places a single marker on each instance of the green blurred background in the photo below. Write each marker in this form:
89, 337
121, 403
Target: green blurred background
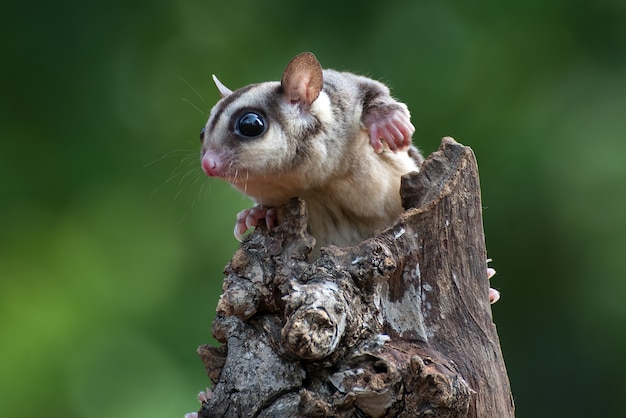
113, 242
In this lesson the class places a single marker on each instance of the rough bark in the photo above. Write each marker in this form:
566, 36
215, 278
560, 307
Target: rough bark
398, 326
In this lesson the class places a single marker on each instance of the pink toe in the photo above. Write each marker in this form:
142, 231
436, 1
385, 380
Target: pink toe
494, 296
271, 218
375, 141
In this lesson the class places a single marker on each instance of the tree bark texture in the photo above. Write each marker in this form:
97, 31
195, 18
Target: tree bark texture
398, 326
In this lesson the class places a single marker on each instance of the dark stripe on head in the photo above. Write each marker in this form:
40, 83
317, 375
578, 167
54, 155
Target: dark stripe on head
225, 102
301, 143
304, 142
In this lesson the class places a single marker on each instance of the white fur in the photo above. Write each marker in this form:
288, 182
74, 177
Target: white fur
350, 190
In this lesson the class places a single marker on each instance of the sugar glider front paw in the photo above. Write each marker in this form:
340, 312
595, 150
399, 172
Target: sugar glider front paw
494, 295
203, 397
249, 218
390, 124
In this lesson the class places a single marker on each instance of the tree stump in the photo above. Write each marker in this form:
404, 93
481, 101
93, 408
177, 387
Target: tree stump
398, 326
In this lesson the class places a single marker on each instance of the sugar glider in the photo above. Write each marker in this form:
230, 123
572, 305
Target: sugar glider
335, 139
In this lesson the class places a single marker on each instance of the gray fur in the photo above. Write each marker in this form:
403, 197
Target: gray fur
321, 154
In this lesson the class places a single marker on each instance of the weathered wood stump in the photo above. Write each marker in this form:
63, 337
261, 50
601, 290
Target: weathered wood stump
398, 326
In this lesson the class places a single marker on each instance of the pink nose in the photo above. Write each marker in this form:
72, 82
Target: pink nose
211, 164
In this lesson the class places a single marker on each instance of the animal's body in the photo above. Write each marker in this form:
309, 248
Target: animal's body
335, 139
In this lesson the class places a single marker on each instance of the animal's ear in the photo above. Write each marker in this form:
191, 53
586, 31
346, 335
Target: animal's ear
302, 80
224, 91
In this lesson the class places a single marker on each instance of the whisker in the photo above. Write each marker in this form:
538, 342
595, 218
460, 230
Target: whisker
186, 166
197, 196
193, 89
206, 188
199, 176
165, 156
176, 197
202, 193
194, 106
184, 176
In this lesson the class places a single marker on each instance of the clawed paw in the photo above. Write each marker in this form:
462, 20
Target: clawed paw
249, 218
203, 397
393, 127
494, 295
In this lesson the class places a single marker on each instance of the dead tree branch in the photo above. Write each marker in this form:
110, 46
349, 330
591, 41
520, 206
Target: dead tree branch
398, 326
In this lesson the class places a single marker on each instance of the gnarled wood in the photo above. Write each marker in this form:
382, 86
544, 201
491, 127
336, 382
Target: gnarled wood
399, 325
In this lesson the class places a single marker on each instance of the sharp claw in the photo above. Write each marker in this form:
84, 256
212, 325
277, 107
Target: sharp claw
270, 218
204, 395
240, 227
249, 221
494, 296
237, 233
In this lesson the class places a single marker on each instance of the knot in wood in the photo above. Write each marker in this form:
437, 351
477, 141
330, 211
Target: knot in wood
240, 299
317, 322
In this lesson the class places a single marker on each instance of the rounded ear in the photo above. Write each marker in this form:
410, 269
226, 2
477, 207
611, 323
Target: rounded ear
302, 80
224, 91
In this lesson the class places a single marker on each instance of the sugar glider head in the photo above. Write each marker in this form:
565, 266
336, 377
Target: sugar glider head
262, 130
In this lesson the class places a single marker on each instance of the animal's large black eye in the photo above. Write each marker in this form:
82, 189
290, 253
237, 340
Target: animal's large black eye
250, 124
202, 135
